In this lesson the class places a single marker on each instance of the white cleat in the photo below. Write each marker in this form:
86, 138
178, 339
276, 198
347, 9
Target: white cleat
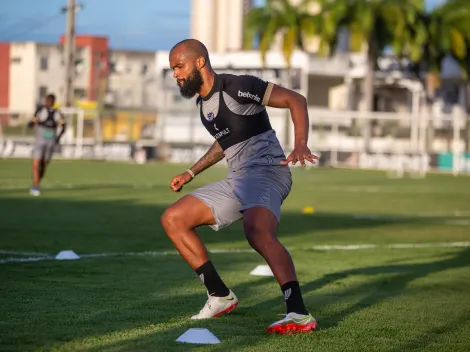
34, 192
216, 306
293, 323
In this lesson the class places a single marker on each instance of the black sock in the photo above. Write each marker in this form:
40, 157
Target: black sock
293, 297
214, 284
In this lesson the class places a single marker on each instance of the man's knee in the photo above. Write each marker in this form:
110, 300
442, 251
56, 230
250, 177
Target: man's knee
172, 218
187, 213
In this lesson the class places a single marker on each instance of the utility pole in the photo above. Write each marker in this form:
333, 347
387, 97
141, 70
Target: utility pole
69, 51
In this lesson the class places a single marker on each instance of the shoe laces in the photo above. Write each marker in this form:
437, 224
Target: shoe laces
209, 297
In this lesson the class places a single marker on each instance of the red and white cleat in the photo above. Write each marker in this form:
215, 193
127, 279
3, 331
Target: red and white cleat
293, 323
216, 306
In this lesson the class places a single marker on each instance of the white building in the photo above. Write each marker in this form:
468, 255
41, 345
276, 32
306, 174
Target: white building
30, 71
34, 70
131, 81
219, 23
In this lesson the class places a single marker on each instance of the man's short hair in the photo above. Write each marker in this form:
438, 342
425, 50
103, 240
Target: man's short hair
193, 46
51, 97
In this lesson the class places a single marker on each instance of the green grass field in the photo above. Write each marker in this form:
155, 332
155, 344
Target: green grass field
386, 297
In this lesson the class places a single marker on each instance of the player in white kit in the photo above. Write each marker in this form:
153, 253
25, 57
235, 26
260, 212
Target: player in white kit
46, 119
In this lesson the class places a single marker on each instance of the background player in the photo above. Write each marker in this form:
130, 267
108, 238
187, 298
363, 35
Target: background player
232, 109
46, 119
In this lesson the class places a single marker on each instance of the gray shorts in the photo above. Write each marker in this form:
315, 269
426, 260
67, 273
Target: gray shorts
264, 186
43, 150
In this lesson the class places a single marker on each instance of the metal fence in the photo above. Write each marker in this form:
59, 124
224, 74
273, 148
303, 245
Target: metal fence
399, 142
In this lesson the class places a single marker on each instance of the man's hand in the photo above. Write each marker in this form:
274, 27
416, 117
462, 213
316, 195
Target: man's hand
300, 153
31, 124
178, 181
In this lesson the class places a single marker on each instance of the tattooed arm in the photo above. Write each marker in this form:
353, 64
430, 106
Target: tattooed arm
213, 156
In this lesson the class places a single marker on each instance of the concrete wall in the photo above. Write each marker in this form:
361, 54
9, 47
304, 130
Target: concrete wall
23, 90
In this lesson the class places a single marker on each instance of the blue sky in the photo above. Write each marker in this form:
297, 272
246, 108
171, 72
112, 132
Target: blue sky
129, 24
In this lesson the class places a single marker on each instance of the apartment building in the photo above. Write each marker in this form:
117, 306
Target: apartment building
31, 70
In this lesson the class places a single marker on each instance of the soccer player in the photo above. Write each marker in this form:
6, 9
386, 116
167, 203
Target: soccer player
46, 119
233, 110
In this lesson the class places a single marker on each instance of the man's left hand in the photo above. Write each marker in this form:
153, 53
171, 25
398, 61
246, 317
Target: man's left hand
300, 154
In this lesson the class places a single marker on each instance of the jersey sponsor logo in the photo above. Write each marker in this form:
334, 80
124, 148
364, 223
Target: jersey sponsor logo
222, 133
255, 97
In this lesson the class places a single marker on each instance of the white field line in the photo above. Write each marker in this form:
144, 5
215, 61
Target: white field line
347, 247
458, 222
23, 253
25, 260
445, 213
352, 247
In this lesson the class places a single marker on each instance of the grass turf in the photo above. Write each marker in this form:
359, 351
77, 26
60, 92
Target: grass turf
376, 299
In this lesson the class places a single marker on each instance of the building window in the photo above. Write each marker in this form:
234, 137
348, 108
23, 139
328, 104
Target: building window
42, 92
129, 97
79, 93
143, 70
16, 60
43, 63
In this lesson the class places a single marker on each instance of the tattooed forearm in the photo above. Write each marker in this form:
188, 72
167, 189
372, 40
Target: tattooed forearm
213, 156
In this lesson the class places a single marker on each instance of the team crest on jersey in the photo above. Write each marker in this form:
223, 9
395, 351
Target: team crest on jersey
210, 116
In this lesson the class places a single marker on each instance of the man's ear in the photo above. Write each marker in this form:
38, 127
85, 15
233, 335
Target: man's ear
200, 62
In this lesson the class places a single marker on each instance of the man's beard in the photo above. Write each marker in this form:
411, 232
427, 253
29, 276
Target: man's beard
191, 85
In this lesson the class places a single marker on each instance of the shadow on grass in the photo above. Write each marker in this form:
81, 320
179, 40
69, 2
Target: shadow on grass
98, 226
433, 335
385, 288
49, 225
244, 328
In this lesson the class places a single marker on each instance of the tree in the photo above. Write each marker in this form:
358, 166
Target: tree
373, 25
279, 18
438, 34
461, 8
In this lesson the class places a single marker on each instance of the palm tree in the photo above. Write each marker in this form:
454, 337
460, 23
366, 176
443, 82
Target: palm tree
373, 26
438, 34
279, 18
459, 15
